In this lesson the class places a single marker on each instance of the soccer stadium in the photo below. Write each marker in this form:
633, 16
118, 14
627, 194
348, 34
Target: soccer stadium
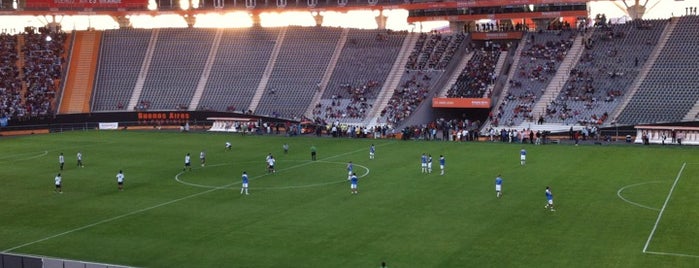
386, 133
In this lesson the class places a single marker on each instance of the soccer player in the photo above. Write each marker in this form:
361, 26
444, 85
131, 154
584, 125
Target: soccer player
522, 157
57, 180
187, 162
267, 158
244, 187
353, 183
372, 151
286, 148
549, 199
423, 163
120, 180
61, 160
498, 186
442, 163
429, 164
350, 168
270, 164
228, 146
202, 157
313, 153
80, 159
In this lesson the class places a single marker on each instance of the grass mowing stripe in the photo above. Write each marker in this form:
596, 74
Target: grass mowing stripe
162, 204
662, 209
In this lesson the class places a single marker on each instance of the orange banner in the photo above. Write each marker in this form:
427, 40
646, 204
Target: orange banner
461, 103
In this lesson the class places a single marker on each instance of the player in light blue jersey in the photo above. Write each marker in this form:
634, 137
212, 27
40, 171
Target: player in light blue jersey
429, 164
353, 183
350, 170
522, 157
244, 187
372, 151
442, 163
423, 163
549, 199
498, 186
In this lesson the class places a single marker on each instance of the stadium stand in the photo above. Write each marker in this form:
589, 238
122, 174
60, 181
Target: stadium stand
176, 67
238, 68
612, 61
671, 88
121, 57
299, 67
361, 70
474, 79
11, 105
539, 61
44, 53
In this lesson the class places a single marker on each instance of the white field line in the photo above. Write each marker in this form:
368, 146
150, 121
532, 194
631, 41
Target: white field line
618, 193
660, 214
155, 206
671, 254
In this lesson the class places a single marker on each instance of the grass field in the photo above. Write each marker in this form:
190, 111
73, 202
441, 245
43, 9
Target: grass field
617, 206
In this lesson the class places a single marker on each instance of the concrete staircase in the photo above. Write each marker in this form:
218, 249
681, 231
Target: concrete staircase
81, 73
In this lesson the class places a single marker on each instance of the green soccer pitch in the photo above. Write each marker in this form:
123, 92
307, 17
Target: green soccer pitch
616, 205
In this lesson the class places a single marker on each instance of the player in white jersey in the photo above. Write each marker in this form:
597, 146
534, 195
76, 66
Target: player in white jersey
120, 180
187, 162
80, 159
270, 164
57, 181
202, 157
429, 164
228, 146
61, 160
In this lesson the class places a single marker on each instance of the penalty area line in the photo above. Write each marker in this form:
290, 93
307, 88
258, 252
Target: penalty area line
662, 209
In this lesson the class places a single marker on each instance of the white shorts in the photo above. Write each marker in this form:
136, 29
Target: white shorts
429, 165
441, 166
424, 165
353, 186
550, 201
245, 185
523, 157
371, 154
349, 173
498, 187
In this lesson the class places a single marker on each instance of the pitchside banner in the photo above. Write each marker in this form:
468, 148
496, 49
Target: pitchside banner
109, 125
87, 4
483, 103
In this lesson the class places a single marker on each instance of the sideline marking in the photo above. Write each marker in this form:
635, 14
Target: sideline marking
177, 177
155, 206
618, 193
672, 254
660, 214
